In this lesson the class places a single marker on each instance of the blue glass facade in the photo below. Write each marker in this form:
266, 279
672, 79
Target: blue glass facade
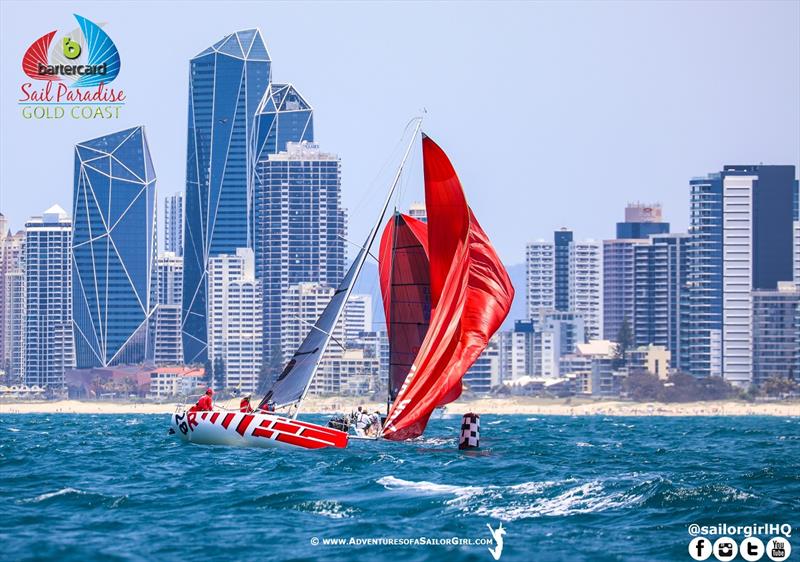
705, 276
227, 82
637, 230
114, 249
562, 239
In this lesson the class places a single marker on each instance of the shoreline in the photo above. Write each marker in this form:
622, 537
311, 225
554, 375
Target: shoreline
491, 406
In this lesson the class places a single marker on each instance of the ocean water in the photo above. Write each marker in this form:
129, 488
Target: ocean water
112, 487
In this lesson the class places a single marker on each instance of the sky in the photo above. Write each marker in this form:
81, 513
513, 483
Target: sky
554, 114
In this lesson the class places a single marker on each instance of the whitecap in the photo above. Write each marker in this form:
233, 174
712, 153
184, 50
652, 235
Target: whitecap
583, 444
394, 483
495, 422
48, 495
531, 419
327, 508
13, 429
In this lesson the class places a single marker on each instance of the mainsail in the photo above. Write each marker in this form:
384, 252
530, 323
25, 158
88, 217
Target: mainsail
292, 384
470, 292
405, 287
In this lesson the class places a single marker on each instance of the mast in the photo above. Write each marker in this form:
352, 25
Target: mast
308, 355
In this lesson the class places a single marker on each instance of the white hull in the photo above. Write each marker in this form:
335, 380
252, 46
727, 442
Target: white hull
262, 430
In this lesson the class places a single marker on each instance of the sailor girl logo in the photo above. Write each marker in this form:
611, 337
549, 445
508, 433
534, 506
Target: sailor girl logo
72, 70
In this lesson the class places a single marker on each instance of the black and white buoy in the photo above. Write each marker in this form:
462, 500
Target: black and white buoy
470, 432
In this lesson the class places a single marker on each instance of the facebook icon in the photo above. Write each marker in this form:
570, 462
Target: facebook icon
700, 548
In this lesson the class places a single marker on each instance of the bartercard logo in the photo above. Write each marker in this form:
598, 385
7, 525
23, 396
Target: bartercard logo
73, 70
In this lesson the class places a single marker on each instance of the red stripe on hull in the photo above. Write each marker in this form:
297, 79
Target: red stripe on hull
227, 421
261, 432
299, 441
244, 424
214, 417
335, 440
203, 415
285, 427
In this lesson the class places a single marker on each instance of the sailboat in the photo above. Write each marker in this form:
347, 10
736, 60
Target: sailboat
445, 292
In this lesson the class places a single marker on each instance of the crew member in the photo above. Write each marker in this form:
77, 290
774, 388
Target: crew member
244, 405
205, 404
362, 421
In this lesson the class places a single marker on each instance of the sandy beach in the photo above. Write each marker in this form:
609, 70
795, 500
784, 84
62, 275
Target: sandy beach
512, 405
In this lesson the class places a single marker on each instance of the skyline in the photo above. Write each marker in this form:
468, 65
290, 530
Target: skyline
582, 113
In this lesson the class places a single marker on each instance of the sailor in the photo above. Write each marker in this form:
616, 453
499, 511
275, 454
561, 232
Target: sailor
375, 423
244, 405
205, 404
362, 421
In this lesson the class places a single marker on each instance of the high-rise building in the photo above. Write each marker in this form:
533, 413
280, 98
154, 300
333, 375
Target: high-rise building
417, 211
167, 341
562, 246
49, 350
300, 232
227, 82
283, 116
540, 287
484, 374
775, 333
357, 316
586, 285
618, 284
566, 275
741, 225
234, 321
302, 306
114, 249
517, 351
12, 302
662, 296
641, 220
173, 224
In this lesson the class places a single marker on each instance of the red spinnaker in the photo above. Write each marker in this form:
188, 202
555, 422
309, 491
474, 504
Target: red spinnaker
405, 287
471, 295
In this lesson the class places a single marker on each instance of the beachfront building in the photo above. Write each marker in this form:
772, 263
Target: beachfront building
619, 284
114, 250
352, 372
775, 333
654, 359
662, 296
48, 337
484, 374
12, 303
642, 220
417, 211
167, 341
173, 224
235, 329
741, 229
357, 316
299, 236
227, 82
555, 334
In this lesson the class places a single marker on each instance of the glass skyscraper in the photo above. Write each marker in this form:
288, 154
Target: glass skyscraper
114, 249
227, 82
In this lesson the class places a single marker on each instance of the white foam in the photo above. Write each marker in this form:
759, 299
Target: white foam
47, 496
13, 429
583, 444
394, 483
495, 422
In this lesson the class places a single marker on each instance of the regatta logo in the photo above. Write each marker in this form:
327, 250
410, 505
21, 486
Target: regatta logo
73, 70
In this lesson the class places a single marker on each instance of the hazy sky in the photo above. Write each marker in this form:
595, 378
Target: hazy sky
554, 114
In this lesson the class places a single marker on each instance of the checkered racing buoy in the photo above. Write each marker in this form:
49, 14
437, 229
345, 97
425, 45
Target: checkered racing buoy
470, 432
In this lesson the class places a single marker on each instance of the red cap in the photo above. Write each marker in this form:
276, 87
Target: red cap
209, 391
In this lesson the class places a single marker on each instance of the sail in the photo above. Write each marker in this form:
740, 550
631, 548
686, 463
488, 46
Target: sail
405, 287
293, 383
471, 294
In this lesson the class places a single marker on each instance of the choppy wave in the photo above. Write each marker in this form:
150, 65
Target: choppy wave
555, 482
